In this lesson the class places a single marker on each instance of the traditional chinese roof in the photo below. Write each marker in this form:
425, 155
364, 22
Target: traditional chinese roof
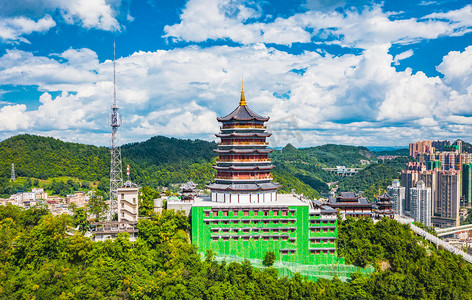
243, 112
384, 197
244, 186
243, 134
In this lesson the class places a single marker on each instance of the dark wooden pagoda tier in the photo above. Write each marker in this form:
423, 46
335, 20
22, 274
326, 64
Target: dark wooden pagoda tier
384, 206
243, 164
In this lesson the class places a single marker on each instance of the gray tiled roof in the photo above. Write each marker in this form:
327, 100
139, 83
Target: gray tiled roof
243, 113
244, 186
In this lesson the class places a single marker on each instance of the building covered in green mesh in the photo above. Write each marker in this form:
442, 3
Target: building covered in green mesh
297, 231
245, 217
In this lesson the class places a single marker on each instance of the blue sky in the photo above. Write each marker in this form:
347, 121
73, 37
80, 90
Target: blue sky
380, 73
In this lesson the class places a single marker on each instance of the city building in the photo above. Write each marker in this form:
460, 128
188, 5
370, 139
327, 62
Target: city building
109, 230
446, 203
244, 217
79, 198
397, 192
421, 203
420, 147
448, 160
127, 216
128, 202
352, 205
467, 185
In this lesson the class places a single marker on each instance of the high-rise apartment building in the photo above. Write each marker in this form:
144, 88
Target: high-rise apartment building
397, 192
421, 147
467, 184
447, 202
409, 178
421, 204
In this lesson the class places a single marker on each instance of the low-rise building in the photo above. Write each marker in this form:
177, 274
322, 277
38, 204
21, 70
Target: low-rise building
352, 205
128, 202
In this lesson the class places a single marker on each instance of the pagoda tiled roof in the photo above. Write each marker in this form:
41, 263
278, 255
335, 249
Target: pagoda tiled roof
244, 186
263, 151
244, 134
243, 113
384, 196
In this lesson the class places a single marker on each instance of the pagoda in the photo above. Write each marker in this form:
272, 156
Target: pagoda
243, 166
384, 206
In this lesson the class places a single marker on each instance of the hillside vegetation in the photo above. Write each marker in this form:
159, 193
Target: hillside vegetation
45, 157
41, 257
162, 161
159, 161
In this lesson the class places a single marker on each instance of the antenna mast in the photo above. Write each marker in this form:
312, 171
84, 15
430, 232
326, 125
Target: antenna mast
13, 177
116, 172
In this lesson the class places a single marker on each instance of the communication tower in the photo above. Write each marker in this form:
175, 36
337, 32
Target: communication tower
13, 177
116, 172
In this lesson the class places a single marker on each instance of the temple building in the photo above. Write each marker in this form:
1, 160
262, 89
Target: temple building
351, 205
243, 166
384, 206
188, 191
244, 217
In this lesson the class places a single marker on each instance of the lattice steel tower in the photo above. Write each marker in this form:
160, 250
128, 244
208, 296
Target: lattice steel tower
13, 177
116, 172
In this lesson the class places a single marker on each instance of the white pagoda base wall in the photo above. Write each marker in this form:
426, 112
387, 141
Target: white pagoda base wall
255, 197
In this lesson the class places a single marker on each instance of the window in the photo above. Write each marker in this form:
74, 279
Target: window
246, 213
122, 215
134, 200
225, 214
207, 214
266, 213
284, 213
122, 205
215, 214
122, 196
293, 214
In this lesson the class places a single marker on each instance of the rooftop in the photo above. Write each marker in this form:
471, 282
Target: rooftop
282, 200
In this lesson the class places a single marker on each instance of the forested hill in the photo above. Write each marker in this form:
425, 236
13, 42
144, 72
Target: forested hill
326, 156
45, 157
160, 150
161, 161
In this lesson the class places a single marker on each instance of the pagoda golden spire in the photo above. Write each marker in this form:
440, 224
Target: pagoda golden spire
242, 102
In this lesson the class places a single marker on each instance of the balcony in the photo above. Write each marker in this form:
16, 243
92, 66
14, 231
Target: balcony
253, 126
244, 144
243, 160
243, 178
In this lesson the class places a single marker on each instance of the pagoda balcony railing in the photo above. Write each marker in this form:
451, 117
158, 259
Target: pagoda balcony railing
244, 178
243, 160
243, 127
244, 144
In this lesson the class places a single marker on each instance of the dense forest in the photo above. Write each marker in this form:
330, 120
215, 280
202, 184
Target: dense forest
43, 257
159, 161
374, 177
162, 161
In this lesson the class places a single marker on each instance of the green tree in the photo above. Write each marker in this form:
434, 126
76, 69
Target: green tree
269, 259
146, 203
97, 206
